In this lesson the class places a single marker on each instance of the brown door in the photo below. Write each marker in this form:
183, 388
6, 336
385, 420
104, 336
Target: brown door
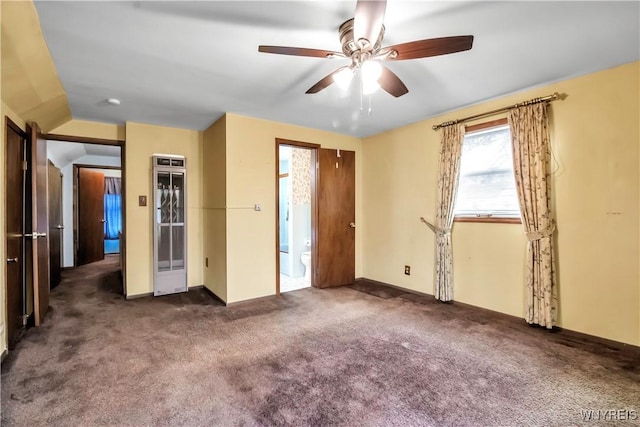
90, 216
14, 208
335, 257
55, 224
40, 220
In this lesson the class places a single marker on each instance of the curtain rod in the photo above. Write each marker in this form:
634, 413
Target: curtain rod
547, 98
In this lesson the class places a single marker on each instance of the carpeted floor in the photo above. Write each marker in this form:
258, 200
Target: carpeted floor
360, 355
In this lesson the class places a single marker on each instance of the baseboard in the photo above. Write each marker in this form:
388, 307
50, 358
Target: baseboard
599, 340
210, 292
136, 296
149, 294
377, 282
252, 300
556, 329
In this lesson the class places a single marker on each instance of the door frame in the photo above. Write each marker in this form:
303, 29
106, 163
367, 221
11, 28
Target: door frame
75, 204
10, 124
123, 176
51, 164
314, 203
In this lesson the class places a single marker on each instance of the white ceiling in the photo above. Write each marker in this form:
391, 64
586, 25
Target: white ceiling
184, 64
65, 153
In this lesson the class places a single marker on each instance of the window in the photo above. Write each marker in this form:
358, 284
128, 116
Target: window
487, 186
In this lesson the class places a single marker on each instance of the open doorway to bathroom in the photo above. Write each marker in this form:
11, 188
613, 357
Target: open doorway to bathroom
296, 217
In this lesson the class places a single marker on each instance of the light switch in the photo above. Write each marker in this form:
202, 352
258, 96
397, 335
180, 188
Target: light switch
257, 207
142, 200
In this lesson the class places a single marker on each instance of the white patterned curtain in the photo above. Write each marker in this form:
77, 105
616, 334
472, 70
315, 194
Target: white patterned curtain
531, 161
450, 151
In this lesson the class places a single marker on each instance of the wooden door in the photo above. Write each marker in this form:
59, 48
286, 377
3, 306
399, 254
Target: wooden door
14, 209
55, 224
335, 259
40, 227
90, 205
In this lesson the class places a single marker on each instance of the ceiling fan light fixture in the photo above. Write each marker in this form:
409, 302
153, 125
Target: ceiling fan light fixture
371, 71
343, 78
361, 40
368, 87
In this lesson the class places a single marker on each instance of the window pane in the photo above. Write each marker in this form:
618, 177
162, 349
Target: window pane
487, 185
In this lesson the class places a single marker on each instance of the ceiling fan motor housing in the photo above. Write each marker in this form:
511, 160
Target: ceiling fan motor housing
349, 46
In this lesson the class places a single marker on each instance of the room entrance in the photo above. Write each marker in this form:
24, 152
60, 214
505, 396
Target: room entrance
92, 201
296, 204
27, 239
315, 222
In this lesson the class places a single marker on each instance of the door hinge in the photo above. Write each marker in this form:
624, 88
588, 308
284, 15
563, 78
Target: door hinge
23, 165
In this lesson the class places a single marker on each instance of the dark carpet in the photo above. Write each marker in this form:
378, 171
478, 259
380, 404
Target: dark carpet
360, 355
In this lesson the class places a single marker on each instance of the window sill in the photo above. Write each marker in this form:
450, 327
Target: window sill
489, 219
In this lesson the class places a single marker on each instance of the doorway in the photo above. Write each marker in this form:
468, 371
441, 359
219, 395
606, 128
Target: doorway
93, 196
27, 224
16, 250
55, 224
296, 214
331, 248
97, 204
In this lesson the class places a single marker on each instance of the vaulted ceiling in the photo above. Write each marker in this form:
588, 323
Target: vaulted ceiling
184, 64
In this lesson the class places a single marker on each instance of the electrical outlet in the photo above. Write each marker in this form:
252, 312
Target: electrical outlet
407, 270
257, 207
206, 262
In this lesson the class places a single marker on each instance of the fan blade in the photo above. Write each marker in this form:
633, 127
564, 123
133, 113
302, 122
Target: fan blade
367, 21
325, 82
392, 83
299, 51
429, 47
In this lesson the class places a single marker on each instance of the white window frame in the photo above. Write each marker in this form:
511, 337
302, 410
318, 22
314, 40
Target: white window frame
487, 217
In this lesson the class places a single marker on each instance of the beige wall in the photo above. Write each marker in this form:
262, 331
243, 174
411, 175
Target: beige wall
251, 169
29, 78
595, 138
142, 142
214, 184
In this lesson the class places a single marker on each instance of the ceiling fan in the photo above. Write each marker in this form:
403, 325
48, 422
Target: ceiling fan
361, 39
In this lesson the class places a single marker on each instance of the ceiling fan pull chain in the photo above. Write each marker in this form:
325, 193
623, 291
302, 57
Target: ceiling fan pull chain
361, 95
369, 111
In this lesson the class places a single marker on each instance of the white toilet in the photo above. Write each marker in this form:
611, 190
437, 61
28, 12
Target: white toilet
305, 259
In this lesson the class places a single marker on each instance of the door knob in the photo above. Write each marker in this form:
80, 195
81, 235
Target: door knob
103, 220
12, 259
35, 235
352, 224
60, 227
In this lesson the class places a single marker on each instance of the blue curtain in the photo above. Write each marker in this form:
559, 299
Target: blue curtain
113, 215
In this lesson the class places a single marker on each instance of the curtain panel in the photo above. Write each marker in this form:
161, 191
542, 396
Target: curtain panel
449, 170
112, 207
531, 159
112, 185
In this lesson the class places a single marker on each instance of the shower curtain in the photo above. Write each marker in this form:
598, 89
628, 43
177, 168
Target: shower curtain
112, 208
